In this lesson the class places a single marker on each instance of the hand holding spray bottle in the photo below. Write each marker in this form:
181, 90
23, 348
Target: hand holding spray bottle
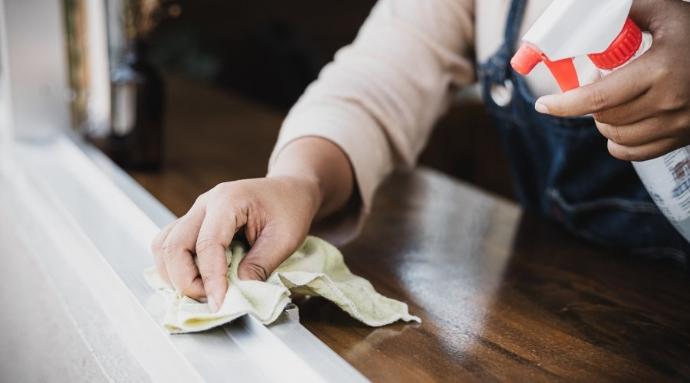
611, 40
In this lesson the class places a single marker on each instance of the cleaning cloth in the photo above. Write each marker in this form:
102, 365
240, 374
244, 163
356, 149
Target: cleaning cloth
315, 269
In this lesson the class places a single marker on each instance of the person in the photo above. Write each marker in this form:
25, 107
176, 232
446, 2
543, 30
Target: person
373, 108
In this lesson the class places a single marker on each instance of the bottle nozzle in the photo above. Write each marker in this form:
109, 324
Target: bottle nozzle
526, 59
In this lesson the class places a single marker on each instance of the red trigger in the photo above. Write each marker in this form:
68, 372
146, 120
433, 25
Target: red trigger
564, 72
528, 56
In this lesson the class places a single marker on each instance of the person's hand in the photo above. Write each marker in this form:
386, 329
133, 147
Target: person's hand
275, 214
311, 176
642, 109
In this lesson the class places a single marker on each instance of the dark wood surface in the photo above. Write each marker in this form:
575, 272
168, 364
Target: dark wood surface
503, 296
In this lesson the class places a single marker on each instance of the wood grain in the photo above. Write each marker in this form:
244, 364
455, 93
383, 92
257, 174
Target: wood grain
503, 296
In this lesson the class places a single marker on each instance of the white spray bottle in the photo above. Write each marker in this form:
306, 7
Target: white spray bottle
611, 40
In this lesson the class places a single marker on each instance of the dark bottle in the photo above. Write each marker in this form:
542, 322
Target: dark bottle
135, 141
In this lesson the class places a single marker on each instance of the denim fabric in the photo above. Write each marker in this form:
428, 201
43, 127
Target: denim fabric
562, 169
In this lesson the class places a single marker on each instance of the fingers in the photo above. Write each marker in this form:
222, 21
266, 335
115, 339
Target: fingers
216, 232
158, 253
651, 104
670, 125
179, 254
648, 138
271, 248
640, 133
618, 88
643, 152
639, 109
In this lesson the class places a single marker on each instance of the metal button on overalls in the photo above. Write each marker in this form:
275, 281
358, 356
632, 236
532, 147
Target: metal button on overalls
502, 94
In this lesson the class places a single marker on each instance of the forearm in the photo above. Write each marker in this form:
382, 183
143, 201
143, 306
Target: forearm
323, 163
379, 99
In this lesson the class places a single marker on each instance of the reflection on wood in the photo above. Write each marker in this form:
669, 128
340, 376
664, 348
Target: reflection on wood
503, 296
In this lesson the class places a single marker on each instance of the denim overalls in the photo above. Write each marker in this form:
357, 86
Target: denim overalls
562, 169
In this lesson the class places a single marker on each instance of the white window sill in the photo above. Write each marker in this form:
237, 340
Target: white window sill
86, 226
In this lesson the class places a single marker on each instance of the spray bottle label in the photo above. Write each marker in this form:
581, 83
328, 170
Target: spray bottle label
667, 179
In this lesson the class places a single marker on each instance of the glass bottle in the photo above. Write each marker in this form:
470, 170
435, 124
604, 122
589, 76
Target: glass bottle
135, 140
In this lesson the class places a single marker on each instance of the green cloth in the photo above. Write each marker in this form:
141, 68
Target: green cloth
317, 268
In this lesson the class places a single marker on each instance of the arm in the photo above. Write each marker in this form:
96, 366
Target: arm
324, 165
372, 109
380, 98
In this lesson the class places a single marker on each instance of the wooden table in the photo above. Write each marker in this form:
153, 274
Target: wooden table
503, 296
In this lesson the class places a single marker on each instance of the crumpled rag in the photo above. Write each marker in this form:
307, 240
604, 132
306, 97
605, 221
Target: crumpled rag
316, 269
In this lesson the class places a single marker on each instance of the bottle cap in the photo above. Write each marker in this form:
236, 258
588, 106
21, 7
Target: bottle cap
621, 50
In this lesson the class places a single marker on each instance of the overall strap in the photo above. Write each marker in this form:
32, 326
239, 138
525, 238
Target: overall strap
512, 30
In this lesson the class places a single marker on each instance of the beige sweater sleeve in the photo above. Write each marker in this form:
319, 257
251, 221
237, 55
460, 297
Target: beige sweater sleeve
380, 97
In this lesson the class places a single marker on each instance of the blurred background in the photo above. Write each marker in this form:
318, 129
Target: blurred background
193, 92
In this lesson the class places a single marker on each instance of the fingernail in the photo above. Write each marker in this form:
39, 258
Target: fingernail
541, 108
213, 304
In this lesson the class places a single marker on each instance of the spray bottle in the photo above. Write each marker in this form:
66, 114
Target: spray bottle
612, 41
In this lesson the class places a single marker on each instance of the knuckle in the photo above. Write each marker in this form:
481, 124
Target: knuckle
183, 222
169, 248
205, 244
624, 136
617, 134
200, 200
257, 270
222, 188
229, 197
597, 99
199, 203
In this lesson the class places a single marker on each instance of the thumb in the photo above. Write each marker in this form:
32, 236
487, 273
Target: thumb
643, 13
267, 253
